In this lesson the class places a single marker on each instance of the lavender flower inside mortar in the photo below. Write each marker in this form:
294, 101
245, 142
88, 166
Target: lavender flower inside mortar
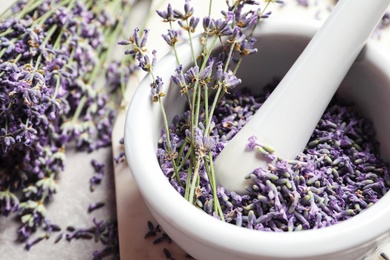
339, 174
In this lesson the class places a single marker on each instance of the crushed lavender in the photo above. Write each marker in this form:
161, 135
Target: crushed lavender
338, 175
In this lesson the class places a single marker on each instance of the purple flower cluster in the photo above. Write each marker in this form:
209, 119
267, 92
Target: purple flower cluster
339, 174
230, 26
51, 55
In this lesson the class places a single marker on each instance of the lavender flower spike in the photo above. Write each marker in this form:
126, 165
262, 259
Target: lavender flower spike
138, 44
188, 12
156, 89
167, 15
171, 37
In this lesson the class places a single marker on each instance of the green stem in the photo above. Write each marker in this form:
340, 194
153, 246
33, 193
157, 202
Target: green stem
59, 37
96, 69
213, 184
47, 37
237, 66
195, 178
111, 38
181, 151
32, 5
166, 127
18, 58
228, 58
178, 63
46, 192
42, 19
208, 53
215, 101
29, 7
89, 4
184, 160
259, 17
74, 48
79, 108
253, 29
9, 30
174, 47
49, 34
187, 188
226, 68
113, 34
191, 44
195, 110
206, 104
38, 61
58, 81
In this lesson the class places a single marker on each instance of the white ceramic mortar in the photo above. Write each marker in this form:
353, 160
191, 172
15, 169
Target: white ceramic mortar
279, 43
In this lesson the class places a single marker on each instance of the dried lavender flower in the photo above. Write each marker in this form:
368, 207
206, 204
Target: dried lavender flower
51, 54
305, 193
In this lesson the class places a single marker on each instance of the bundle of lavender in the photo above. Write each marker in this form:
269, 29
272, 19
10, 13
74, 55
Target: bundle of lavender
59, 88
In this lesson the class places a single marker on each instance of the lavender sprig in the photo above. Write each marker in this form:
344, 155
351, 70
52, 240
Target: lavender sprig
211, 75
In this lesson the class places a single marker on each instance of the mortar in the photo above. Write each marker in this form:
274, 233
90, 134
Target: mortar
279, 42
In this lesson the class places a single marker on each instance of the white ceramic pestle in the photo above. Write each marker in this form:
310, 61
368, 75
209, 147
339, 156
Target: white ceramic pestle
289, 116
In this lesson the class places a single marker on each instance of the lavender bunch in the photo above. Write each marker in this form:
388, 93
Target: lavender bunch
51, 97
212, 74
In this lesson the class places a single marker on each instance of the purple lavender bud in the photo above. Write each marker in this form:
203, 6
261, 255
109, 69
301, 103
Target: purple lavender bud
294, 196
238, 219
192, 74
344, 214
267, 217
252, 142
33, 242
266, 15
124, 42
230, 16
247, 46
302, 219
95, 206
144, 38
189, 10
171, 38
207, 23
206, 73
193, 24
304, 3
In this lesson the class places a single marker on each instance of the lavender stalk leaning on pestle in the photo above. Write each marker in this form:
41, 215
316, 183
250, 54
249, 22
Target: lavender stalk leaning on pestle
287, 119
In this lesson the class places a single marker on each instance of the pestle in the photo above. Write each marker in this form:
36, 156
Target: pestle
289, 116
